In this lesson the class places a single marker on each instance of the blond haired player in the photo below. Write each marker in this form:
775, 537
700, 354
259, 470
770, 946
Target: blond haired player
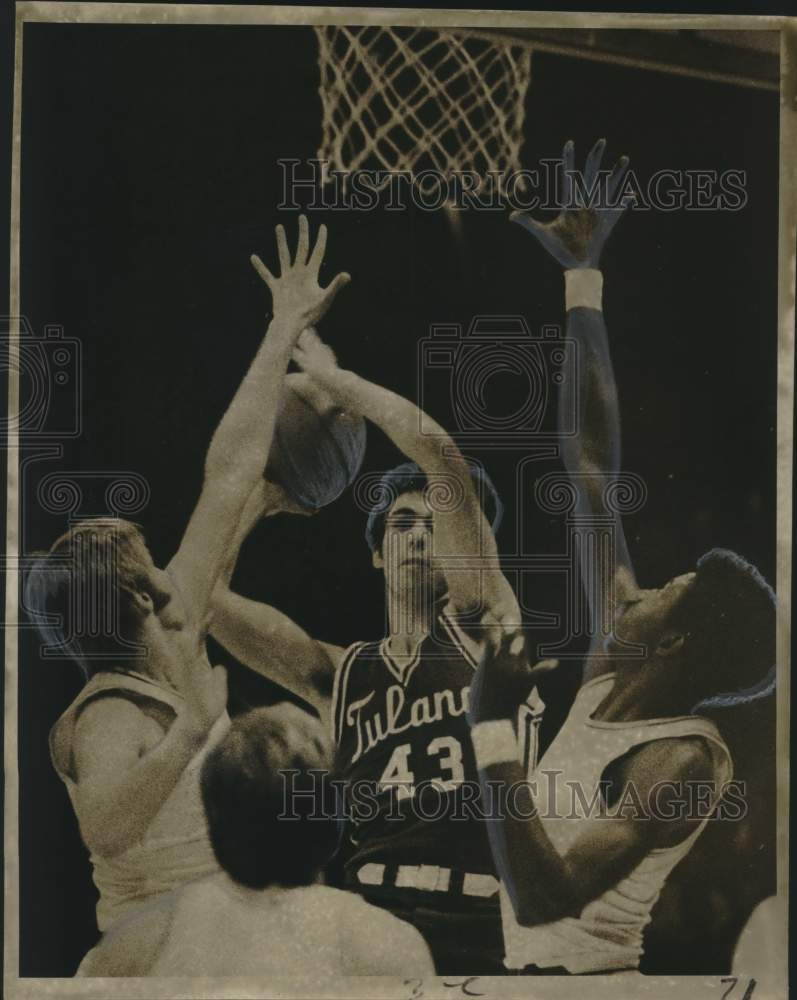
131, 745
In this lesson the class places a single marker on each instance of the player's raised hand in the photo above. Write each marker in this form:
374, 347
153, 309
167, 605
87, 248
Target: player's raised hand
591, 209
296, 294
504, 671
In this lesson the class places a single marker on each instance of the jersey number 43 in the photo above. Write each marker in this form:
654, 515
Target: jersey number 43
448, 753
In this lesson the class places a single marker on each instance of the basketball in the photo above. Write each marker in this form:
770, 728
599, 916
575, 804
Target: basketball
318, 448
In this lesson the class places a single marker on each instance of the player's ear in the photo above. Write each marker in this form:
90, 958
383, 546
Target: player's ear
670, 643
143, 602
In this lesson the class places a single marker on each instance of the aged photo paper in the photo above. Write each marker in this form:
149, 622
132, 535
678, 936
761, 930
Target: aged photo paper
398, 523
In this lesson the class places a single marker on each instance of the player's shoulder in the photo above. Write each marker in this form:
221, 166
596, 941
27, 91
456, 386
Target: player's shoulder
127, 708
112, 723
108, 711
358, 660
333, 652
677, 758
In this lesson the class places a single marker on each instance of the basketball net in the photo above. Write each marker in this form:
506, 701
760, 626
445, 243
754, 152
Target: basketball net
419, 99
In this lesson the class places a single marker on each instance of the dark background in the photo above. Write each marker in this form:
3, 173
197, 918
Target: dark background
149, 176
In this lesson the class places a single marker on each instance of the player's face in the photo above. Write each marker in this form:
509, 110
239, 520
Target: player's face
166, 599
644, 618
407, 545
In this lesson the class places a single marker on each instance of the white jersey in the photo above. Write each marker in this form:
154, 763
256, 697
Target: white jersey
219, 926
763, 944
175, 847
214, 927
607, 935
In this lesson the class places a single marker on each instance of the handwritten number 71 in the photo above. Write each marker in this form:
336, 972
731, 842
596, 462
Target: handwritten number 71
733, 980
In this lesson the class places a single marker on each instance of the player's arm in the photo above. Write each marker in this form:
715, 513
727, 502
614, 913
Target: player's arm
543, 885
270, 643
376, 943
461, 531
263, 638
121, 779
241, 444
575, 239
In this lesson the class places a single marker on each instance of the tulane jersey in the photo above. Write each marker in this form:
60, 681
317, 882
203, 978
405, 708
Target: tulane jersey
405, 754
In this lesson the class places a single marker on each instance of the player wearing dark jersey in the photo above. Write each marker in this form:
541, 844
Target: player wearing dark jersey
404, 749
397, 707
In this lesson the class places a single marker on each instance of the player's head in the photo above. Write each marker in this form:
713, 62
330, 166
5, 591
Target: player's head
317, 448
399, 527
271, 820
100, 587
713, 629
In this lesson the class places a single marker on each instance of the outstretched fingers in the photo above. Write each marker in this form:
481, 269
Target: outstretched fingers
282, 250
568, 166
304, 240
593, 163
328, 294
616, 178
332, 289
262, 270
317, 255
526, 221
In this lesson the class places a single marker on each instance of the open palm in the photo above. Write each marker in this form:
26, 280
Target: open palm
578, 234
296, 293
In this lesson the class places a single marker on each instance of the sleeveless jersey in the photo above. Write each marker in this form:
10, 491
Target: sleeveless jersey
214, 927
405, 754
607, 935
175, 847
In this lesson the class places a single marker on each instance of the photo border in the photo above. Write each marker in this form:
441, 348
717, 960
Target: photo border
652, 987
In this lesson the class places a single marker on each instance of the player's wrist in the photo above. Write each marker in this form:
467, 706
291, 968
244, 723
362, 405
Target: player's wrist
583, 288
285, 327
494, 742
